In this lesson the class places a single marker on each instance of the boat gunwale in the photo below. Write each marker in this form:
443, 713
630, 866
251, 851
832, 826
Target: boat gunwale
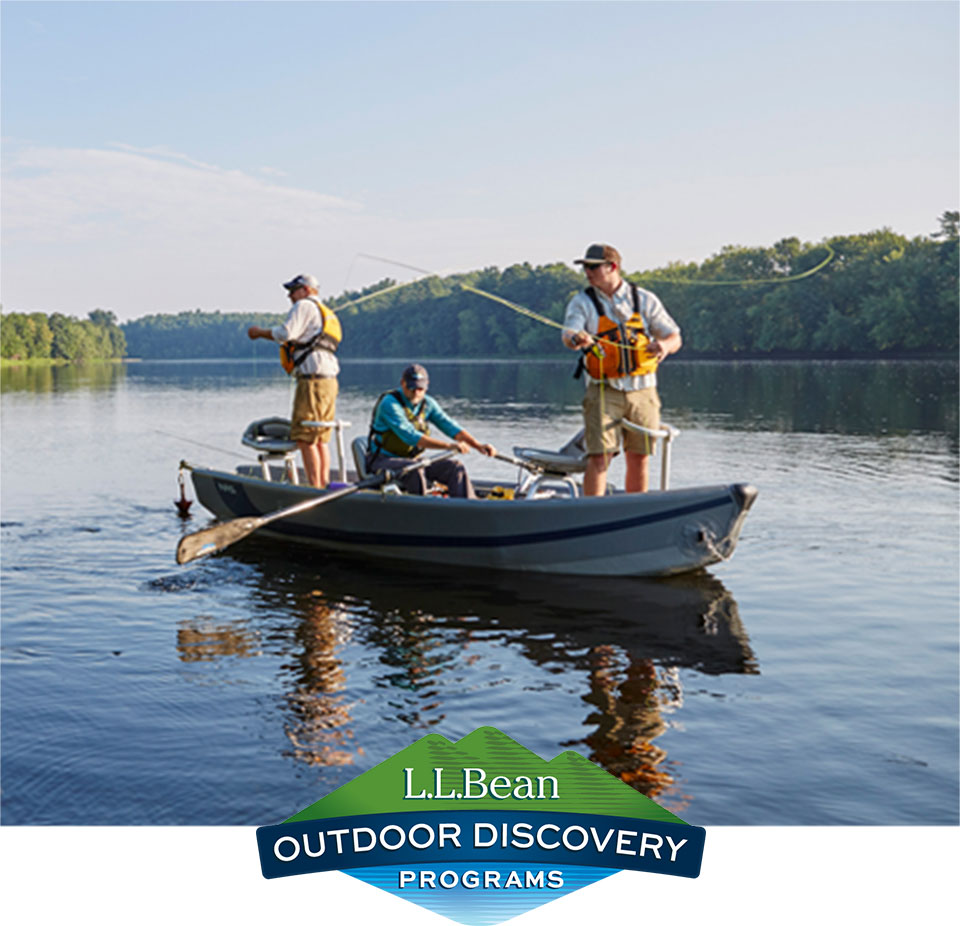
617, 497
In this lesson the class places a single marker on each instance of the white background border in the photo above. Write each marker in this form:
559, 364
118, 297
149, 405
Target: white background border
751, 875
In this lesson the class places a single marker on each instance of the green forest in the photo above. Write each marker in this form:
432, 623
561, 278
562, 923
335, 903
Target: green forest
878, 294
58, 337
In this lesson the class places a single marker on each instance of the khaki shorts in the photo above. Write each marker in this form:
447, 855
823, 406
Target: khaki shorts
315, 400
603, 410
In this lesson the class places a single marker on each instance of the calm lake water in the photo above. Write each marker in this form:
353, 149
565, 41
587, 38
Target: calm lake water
810, 680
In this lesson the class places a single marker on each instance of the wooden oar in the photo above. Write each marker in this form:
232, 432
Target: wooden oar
220, 536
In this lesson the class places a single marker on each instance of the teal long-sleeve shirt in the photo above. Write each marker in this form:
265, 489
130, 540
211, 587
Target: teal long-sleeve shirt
391, 416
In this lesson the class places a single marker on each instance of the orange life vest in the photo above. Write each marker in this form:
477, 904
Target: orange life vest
621, 347
293, 353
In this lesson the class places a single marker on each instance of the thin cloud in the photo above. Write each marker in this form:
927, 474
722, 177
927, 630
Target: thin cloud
63, 194
142, 230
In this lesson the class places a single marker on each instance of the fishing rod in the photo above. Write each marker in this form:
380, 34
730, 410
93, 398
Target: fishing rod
388, 289
473, 289
397, 263
522, 310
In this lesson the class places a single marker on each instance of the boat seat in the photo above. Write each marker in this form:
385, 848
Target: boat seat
270, 437
569, 459
359, 448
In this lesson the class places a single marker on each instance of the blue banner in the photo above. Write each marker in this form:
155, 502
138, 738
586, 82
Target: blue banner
454, 837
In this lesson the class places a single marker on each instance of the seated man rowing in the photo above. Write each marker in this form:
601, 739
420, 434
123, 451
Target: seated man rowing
400, 431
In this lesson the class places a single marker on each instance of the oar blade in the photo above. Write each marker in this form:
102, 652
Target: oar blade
214, 539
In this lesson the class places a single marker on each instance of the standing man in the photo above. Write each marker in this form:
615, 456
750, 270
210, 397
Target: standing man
624, 333
400, 431
308, 341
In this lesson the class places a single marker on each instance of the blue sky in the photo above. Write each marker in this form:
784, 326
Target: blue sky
163, 156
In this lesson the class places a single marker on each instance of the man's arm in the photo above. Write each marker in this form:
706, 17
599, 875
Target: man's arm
464, 440
255, 331
663, 347
665, 336
466, 437
575, 334
295, 324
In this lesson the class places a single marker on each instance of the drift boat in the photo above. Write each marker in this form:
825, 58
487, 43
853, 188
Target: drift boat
541, 524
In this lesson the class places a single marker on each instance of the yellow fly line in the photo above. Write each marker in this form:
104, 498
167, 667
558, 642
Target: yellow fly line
681, 281
379, 292
543, 320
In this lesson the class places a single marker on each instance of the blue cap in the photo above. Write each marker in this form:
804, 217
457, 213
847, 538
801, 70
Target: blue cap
304, 279
415, 376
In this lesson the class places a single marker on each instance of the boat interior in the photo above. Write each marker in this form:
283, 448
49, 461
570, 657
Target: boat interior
540, 473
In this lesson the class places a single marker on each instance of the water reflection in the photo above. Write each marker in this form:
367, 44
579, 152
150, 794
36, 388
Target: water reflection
821, 396
419, 634
204, 640
318, 720
631, 697
61, 378
839, 397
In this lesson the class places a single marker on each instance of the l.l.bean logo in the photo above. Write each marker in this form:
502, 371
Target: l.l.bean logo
481, 830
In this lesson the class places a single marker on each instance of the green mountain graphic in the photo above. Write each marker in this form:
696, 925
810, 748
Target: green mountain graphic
582, 787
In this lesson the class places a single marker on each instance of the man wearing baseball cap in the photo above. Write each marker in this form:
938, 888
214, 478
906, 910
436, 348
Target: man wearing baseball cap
400, 431
630, 314
310, 336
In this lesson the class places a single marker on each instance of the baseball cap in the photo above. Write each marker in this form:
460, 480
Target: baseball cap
600, 254
415, 376
304, 279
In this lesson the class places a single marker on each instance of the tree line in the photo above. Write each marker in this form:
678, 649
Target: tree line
197, 334
36, 336
880, 294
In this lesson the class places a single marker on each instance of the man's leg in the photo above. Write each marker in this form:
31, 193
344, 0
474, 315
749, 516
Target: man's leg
643, 408
595, 477
413, 483
452, 474
638, 475
603, 408
312, 465
323, 450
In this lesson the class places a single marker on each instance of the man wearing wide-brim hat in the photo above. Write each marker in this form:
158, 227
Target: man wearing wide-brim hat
599, 321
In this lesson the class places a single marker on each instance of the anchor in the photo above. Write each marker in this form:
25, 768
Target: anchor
183, 503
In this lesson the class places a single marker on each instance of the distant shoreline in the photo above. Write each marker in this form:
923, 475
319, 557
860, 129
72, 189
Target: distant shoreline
6, 363
570, 356
58, 361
